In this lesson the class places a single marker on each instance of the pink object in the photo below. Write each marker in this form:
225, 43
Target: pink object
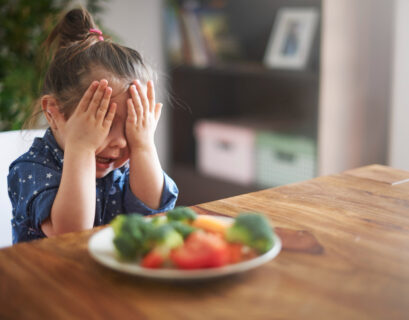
97, 31
226, 151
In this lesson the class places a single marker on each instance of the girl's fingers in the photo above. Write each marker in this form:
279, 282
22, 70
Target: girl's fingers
132, 117
137, 103
142, 96
103, 107
86, 98
110, 115
98, 95
158, 111
151, 95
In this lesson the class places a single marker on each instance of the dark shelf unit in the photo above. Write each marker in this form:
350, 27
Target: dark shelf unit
239, 89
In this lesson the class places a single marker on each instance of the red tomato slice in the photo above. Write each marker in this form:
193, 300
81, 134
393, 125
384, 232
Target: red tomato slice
152, 260
235, 252
201, 250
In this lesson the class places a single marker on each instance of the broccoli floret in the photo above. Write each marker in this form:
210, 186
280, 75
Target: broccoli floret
126, 247
134, 235
183, 228
129, 234
159, 220
117, 223
253, 230
183, 214
163, 236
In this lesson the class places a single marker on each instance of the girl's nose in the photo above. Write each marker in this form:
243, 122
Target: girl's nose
117, 139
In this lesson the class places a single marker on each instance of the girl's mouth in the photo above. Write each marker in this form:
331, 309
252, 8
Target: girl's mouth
103, 163
104, 160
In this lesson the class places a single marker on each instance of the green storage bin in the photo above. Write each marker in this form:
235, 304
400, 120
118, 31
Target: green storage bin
282, 159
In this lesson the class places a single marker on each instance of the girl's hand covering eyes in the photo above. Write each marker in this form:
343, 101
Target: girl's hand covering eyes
143, 117
89, 125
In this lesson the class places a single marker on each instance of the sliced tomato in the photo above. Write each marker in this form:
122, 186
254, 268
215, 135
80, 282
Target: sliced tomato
153, 259
235, 252
201, 250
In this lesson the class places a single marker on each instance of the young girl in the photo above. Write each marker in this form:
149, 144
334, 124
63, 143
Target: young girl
97, 158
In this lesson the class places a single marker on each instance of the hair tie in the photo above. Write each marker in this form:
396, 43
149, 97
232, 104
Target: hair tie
97, 31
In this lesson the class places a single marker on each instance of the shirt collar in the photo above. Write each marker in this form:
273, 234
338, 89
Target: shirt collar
53, 145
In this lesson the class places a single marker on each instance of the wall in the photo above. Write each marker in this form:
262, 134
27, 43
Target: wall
355, 93
399, 133
355, 83
138, 24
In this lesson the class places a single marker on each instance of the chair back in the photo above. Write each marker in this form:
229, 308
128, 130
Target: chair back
12, 145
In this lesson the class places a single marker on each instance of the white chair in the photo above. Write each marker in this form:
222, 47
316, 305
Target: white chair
12, 145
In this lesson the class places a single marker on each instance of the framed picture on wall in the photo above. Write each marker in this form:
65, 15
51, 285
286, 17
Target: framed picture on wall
291, 39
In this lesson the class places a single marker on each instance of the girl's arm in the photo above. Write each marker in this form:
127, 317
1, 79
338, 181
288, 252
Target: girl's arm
145, 172
74, 205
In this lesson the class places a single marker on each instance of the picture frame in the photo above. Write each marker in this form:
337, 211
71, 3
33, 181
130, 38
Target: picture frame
290, 42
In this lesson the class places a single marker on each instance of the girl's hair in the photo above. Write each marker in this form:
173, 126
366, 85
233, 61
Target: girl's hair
78, 53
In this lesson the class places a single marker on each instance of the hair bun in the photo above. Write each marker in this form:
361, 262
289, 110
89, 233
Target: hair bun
73, 27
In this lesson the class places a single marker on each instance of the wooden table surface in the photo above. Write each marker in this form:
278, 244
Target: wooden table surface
345, 256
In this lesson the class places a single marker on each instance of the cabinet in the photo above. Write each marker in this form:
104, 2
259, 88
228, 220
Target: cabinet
239, 87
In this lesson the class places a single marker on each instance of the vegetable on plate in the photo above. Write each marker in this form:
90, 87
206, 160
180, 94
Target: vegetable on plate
185, 240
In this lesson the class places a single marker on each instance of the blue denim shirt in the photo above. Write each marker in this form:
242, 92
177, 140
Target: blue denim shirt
33, 183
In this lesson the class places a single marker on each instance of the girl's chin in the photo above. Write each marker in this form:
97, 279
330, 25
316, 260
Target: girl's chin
103, 166
102, 169
102, 173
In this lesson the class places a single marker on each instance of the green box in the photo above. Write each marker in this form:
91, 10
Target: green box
284, 158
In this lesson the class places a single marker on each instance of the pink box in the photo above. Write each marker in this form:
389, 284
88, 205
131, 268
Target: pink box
225, 151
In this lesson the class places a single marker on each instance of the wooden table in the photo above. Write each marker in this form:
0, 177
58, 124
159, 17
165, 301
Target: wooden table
345, 256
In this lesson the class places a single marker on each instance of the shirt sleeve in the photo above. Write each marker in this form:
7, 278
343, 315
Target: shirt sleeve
132, 204
32, 190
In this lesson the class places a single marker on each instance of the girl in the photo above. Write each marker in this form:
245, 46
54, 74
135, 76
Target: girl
97, 158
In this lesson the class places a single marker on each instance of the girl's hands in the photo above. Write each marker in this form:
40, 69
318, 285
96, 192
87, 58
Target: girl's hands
145, 172
143, 117
89, 125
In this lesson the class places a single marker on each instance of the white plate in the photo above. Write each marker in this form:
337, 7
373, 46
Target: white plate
102, 250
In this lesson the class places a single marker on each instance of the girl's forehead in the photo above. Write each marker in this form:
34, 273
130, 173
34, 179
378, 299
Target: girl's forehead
119, 87
119, 92
121, 102
118, 84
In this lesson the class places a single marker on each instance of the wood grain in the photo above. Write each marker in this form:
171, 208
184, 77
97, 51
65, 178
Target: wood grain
360, 226
381, 174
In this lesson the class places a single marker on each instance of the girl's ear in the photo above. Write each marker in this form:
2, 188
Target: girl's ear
49, 106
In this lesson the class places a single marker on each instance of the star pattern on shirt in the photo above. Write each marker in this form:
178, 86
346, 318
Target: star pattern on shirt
49, 175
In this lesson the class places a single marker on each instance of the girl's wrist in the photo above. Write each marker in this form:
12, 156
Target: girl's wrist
79, 149
148, 148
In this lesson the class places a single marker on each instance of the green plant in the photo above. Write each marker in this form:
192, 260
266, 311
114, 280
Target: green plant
24, 25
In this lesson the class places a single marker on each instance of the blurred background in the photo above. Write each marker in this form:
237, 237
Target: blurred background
256, 94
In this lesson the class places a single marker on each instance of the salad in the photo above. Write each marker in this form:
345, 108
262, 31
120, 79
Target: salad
185, 240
